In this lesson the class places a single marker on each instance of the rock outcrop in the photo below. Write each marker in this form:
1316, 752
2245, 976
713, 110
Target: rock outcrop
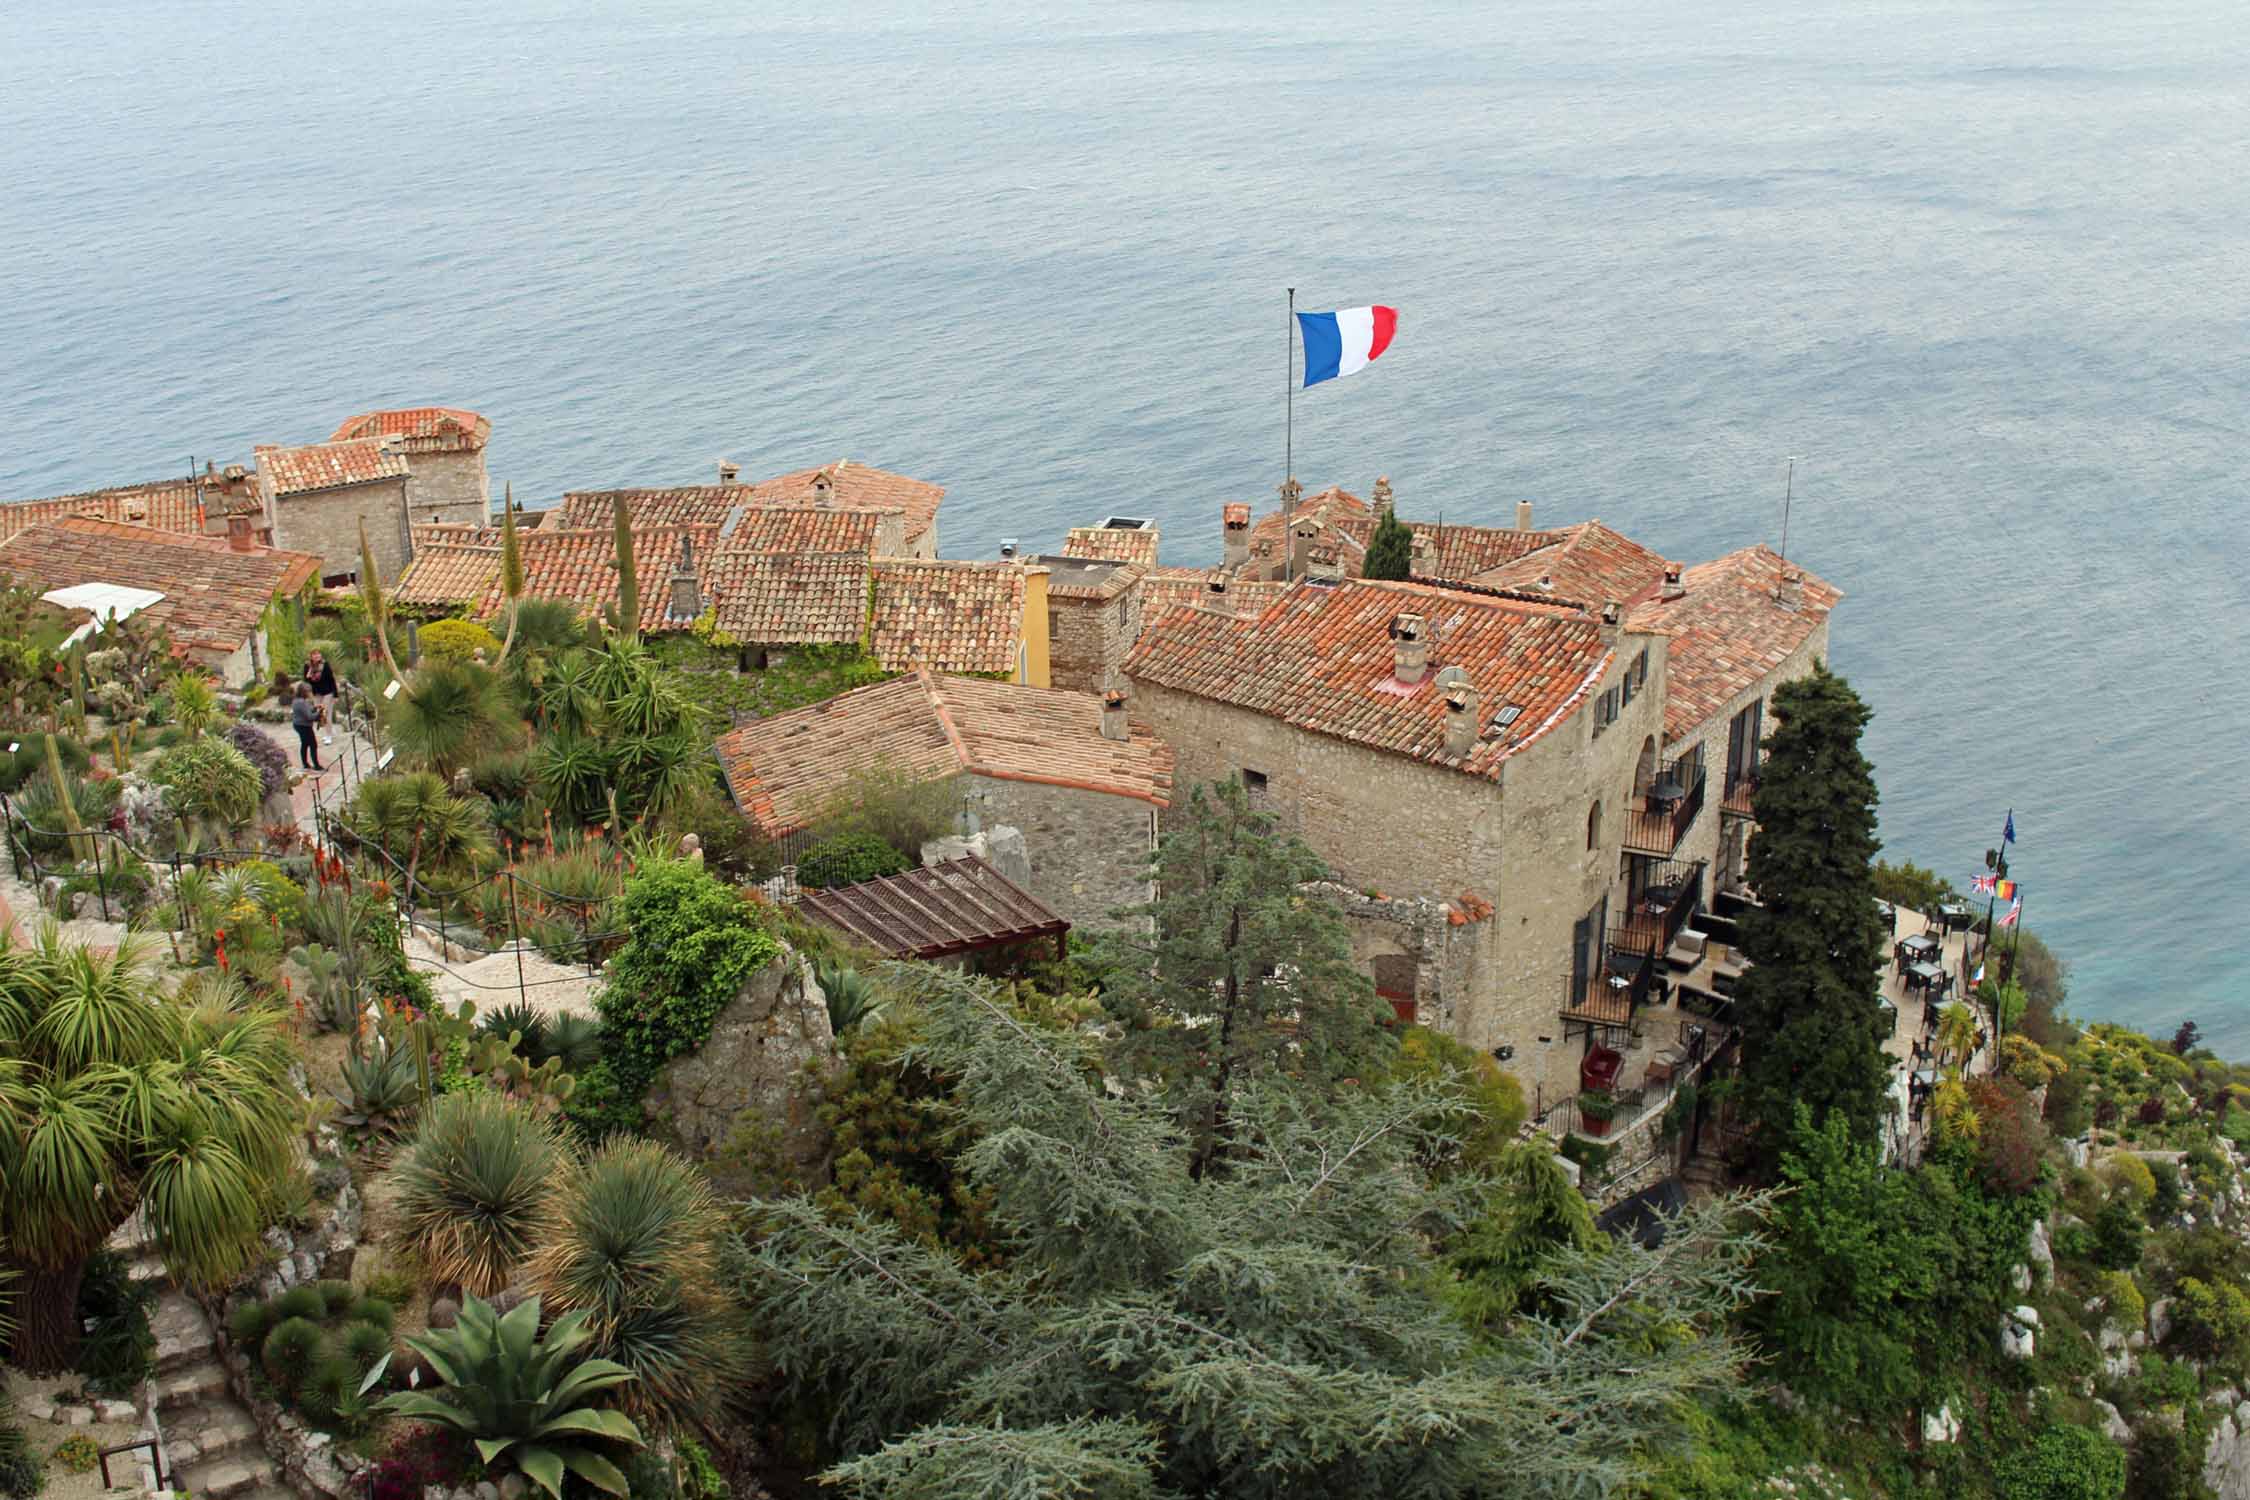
753, 1064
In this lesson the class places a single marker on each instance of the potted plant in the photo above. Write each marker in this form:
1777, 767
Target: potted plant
1596, 1108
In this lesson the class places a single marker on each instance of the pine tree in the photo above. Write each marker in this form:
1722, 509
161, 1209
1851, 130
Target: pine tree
1269, 1331
1812, 1020
1390, 552
1238, 972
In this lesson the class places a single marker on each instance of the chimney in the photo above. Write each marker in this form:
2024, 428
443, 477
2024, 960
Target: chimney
1420, 566
1113, 715
1673, 587
1007, 548
1789, 593
730, 472
1410, 647
686, 602
1321, 562
1301, 534
1523, 515
1217, 581
239, 535
1383, 495
1236, 519
1291, 493
1460, 718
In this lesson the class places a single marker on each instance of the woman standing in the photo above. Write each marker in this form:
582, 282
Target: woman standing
304, 714
320, 681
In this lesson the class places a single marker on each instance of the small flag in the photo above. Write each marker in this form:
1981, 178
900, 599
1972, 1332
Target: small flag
1982, 885
1978, 977
1345, 341
2008, 917
2008, 834
2004, 890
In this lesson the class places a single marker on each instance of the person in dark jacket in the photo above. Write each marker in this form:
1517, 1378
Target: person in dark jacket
320, 681
304, 714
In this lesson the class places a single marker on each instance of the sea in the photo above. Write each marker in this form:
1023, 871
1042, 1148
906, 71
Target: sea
1981, 268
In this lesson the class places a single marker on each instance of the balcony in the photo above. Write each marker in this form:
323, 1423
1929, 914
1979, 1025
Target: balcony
1657, 819
1606, 1000
1742, 787
1670, 894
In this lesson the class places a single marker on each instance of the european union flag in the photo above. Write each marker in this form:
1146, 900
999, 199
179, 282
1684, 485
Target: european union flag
2008, 834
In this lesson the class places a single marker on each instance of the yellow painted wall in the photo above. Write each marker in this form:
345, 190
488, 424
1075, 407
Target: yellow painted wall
1032, 666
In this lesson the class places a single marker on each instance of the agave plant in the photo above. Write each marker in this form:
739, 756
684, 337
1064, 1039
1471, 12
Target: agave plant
527, 1025
575, 1041
635, 1245
524, 1400
851, 999
474, 1188
381, 1091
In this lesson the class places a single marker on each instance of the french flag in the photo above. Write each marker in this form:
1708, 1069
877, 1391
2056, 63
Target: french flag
1346, 340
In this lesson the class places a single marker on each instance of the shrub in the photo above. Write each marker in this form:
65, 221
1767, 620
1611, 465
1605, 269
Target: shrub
2211, 1321
2127, 1307
848, 859
2118, 1230
212, 781
372, 1309
2011, 1143
2151, 1111
259, 749
22, 1475
29, 759
77, 1453
2127, 1176
2165, 1201
335, 1296
119, 1349
2064, 1462
39, 807
694, 944
394, 1284
473, 1188
249, 1323
300, 1302
364, 1343
457, 640
290, 1353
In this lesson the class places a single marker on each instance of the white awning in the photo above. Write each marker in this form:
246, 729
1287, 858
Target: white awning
106, 602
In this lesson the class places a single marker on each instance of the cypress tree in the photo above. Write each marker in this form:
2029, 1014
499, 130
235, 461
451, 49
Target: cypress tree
1812, 1021
628, 578
511, 569
1390, 551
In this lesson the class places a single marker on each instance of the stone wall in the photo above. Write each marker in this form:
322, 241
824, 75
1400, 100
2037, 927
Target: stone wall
1089, 850
1085, 640
448, 487
1402, 829
327, 524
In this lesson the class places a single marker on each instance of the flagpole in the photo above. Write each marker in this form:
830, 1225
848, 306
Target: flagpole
1289, 389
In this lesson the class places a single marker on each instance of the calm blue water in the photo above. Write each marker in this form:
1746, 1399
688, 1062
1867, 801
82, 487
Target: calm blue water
1981, 263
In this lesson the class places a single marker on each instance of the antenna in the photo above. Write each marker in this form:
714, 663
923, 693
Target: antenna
1788, 493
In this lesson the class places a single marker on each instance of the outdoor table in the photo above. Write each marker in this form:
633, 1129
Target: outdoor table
1956, 914
1889, 913
1923, 975
1665, 793
1919, 947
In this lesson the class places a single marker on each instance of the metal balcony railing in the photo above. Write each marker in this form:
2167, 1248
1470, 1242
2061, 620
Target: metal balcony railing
1663, 813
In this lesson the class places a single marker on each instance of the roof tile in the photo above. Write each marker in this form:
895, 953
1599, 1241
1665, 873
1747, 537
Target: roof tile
329, 466
420, 429
1731, 626
214, 596
948, 616
844, 485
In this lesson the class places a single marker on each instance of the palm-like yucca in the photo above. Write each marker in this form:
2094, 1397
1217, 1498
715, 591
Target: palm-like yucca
1957, 1033
570, 695
115, 1096
635, 1245
524, 1400
194, 703
475, 1188
572, 771
416, 815
449, 714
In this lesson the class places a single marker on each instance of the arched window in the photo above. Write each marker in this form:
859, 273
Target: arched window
1594, 825
1644, 769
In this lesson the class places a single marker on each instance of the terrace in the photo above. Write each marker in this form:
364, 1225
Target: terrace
1666, 809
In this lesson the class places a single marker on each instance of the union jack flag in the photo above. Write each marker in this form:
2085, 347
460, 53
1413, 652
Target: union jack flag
1982, 885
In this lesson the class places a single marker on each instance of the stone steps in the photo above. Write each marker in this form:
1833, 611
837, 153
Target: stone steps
183, 1336
221, 1478
192, 1385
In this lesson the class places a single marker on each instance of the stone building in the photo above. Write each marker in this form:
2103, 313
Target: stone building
443, 449
1458, 758
1083, 783
210, 594
317, 498
843, 485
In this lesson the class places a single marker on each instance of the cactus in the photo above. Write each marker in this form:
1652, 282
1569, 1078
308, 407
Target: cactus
66, 806
545, 1087
628, 617
331, 986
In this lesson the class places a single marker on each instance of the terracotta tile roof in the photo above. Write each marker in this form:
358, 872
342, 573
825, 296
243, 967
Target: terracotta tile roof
329, 466
1591, 564
840, 486
1729, 629
1116, 543
214, 596
787, 770
775, 598
1332, 508
948, 616
461, 565
1441, 551
420, 429
1167, 589
164, 504
1321, 660
792, 528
